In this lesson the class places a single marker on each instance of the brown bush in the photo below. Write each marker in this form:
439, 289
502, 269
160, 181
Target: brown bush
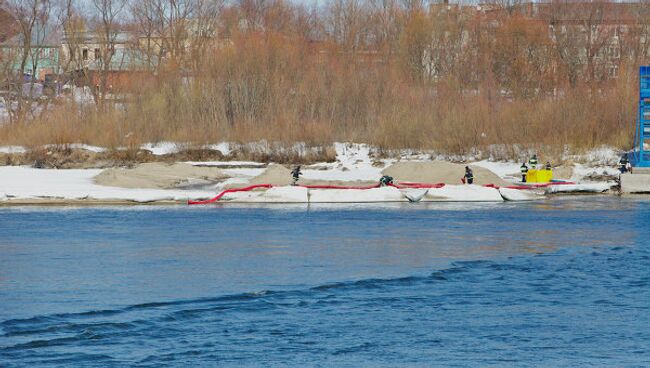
442, 79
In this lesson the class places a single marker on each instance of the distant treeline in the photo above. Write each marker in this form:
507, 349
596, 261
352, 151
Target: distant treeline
395, 73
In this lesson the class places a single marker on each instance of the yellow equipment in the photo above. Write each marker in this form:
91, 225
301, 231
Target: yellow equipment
539, 176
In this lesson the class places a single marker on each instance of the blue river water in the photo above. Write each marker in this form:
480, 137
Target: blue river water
557, 283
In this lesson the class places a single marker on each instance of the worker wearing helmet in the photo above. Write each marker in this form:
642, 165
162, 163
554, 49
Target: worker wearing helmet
295, 175
624, 163
469, 175
524, 172
533, 162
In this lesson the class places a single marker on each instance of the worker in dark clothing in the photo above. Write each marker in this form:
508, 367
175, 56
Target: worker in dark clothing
469, 175
624, 163
524, 172
533, 162
385, 181
295, 174
548, 166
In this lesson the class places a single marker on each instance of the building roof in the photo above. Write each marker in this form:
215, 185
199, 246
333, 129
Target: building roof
91, 37
42, 36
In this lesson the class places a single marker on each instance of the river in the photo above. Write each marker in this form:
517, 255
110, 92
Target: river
559, 282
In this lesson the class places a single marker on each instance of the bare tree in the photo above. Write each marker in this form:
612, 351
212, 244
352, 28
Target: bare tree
75, 34
150, 25
176, 32
448, 40
32, 18
635, 41
510, 6
386, 23
347, 23
107, 31
581, 34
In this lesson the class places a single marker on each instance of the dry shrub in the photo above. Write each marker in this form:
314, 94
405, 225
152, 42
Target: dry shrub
194, 154
274, 87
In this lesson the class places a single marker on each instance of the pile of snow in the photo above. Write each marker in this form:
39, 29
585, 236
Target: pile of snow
353, 163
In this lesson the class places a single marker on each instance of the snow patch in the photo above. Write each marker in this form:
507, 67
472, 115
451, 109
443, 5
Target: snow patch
81, 146
600, 156
223, 147
580, 171
87, 147
161, 148
352, 163
22, 182
12, 149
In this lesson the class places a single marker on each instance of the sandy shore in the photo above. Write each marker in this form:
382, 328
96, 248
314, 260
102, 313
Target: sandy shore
158, 175
279, 175
440, 172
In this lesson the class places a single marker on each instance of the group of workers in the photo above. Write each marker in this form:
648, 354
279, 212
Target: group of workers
385, 180
468, 178
532, 162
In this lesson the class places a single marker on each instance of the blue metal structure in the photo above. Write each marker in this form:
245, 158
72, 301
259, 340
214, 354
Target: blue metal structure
641, 156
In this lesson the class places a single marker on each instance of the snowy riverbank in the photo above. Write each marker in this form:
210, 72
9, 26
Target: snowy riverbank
355, 163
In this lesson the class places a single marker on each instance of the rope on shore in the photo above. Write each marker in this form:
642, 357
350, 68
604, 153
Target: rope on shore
233, 190
409, 185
